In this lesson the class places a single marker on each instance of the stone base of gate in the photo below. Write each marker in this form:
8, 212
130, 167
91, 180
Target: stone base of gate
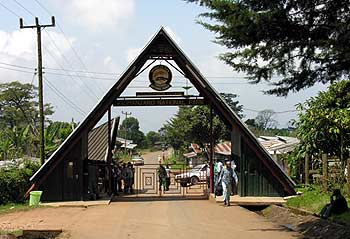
249, 201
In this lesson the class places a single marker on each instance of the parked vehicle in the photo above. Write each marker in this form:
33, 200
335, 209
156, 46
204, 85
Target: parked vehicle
137, 160
194, 176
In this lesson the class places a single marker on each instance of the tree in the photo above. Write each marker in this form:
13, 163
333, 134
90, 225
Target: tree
324, 122
130, 128
19, 119
302, 42
152, 137
19, 106
265, 120
55, 133
191, 124
234, 104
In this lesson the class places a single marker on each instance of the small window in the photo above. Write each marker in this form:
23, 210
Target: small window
70, 169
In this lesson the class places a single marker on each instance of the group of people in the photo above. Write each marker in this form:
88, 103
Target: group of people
123, 175
225, 180
164, 177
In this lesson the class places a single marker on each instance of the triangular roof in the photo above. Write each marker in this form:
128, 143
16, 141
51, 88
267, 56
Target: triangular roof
162, 45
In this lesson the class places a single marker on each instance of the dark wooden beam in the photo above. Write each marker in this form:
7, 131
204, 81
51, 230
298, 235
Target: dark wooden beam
159, 102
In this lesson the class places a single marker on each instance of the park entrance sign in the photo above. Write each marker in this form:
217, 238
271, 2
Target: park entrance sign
259, 174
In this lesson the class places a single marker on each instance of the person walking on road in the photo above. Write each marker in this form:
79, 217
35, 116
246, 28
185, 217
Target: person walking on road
162, 177
167, 180
227, 178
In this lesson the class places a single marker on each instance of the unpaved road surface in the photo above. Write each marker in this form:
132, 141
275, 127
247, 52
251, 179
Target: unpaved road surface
152, 219
152, 157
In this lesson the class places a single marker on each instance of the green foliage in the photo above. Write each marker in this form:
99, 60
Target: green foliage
313, 200
234, 104
130, 128
191, 124
152, 137
55, 134
19, 120
324, 122
303, 42
14, 181
18, 105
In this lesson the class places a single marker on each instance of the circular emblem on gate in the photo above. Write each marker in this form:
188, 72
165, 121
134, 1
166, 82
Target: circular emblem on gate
160, 77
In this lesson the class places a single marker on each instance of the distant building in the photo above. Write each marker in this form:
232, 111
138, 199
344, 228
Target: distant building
279, 146
129, 143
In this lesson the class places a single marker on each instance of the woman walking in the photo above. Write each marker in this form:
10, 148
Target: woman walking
228, 177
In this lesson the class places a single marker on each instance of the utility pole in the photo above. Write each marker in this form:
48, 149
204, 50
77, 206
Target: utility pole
126, 116
40, 81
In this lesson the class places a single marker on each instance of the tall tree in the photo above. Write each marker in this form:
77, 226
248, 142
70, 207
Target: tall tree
19, 117
324, 122
130, 128
301, 42
192, 124
230, 99
152, 137
265, 120
19, 106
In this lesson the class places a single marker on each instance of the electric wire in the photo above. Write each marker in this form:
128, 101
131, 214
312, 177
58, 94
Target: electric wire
59, 51
63, 97
66, 38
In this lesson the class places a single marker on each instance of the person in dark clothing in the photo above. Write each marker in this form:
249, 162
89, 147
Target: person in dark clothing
337, 206
167, 180
132, 175
119, 178
162, 177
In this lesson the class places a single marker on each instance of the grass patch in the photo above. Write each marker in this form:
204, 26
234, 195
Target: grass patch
16, 233
313, 200
15, 207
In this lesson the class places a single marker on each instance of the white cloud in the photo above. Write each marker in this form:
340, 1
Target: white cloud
132, 53
97, 14
19, 47
17, 44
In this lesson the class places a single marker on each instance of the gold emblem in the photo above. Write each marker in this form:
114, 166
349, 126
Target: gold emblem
160, 77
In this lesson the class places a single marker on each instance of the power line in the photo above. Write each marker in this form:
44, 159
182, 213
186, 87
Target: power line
8, 9
64, 98
11, 69
24, 8
103, 78
17, 66
55, 45
66, 38
275, 112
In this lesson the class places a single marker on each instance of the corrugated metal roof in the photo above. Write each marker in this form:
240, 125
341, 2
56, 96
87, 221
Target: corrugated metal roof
98, 140
223, 148
278, 144
196, 148
190, 155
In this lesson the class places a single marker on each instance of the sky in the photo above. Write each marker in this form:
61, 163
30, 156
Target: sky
102, 37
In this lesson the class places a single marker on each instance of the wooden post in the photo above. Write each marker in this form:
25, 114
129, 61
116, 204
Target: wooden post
40, 83
325, 170
307, 169
211, 163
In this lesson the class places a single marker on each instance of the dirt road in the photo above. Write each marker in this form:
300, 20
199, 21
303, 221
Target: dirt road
155, 219
152, 157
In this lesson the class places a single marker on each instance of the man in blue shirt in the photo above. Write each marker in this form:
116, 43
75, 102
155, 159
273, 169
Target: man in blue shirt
228, 177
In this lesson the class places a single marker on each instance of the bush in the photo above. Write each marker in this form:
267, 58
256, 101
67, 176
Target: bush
14, 181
